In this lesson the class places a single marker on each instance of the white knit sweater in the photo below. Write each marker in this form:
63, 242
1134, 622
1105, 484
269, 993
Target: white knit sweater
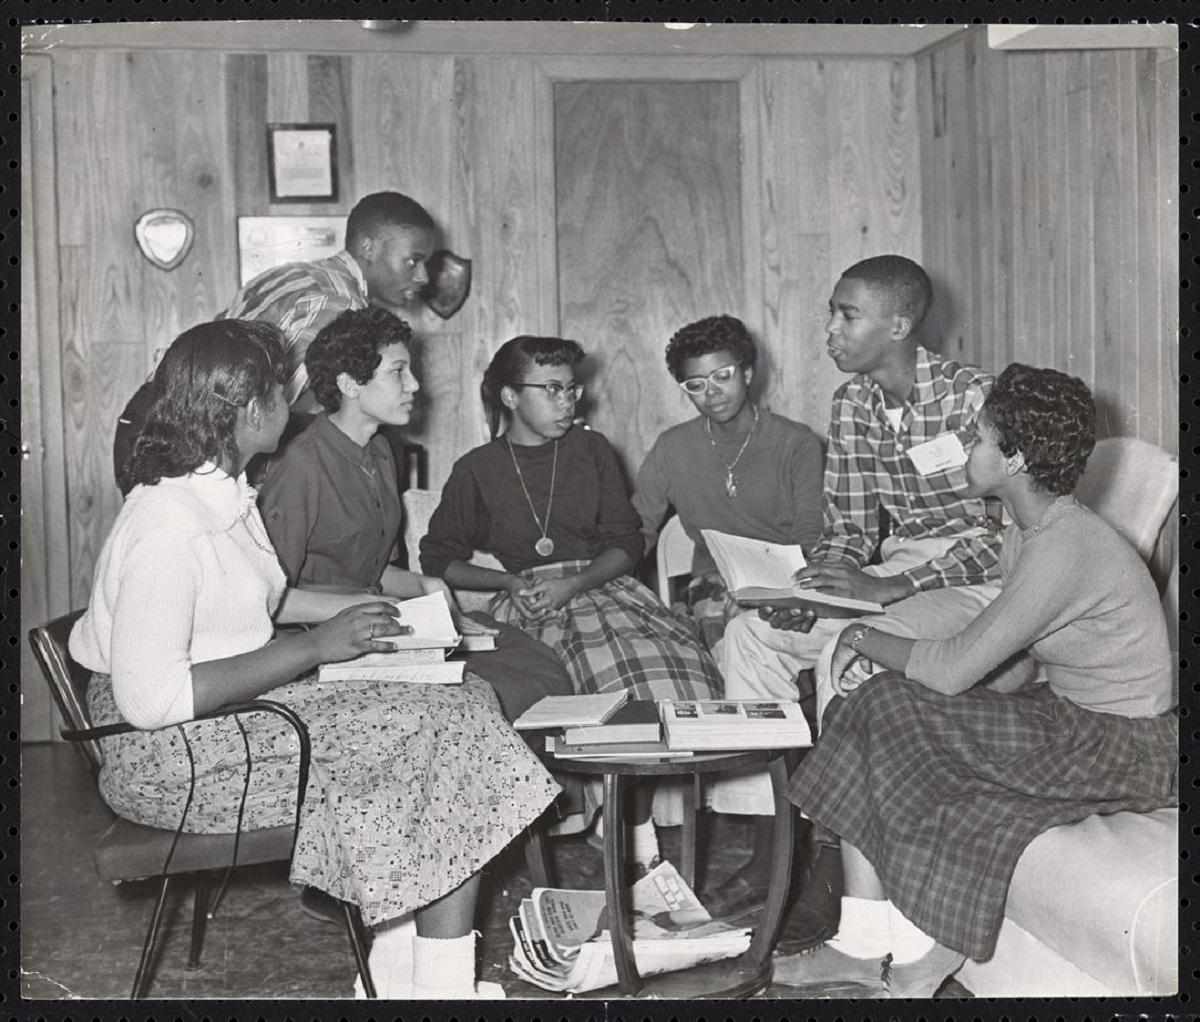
187, 575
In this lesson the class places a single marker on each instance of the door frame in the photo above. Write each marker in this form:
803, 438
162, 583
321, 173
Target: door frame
45, 551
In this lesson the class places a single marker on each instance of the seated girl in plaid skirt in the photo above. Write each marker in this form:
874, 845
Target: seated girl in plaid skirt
935, 782
548, 500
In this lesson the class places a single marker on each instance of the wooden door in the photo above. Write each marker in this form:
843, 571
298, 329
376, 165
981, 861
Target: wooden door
649, 228
44, 558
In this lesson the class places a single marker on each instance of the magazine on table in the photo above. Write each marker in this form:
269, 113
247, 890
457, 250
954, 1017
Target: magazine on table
562, 941
713, 725
758, 573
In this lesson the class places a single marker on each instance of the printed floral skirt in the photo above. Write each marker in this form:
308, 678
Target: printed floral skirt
412, 788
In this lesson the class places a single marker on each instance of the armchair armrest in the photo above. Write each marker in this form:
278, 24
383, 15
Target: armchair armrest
249, 706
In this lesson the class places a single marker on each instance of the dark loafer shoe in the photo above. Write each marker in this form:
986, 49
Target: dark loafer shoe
736, 897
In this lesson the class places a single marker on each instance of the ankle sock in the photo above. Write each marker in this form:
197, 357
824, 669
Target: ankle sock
909, 942
865, 929
391, 957
444, 967
645, 843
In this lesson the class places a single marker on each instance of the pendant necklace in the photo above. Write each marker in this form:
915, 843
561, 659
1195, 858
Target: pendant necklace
730, 480
545, 545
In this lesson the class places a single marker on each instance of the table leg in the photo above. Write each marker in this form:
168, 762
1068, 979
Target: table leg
779, 884
617, 896
690, 804
537, 858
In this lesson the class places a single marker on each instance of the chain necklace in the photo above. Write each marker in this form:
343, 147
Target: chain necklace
545, 545
730, 480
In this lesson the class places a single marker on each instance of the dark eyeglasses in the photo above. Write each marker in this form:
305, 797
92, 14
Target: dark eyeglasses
721, 377
572, 391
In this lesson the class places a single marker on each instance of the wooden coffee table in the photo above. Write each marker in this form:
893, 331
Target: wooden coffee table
750, 972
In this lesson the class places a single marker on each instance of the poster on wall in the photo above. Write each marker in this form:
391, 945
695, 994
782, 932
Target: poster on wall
268, 241
301, 161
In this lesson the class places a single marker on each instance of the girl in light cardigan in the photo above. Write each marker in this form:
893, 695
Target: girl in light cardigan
410, 791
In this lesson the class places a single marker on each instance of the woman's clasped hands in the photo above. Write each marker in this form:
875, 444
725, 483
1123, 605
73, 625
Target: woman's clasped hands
541, 600
357, 630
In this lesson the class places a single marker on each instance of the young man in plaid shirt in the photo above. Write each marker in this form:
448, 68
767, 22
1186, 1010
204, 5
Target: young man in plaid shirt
940, 564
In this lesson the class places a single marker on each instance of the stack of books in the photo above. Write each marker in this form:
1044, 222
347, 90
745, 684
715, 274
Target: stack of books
634, 730
419, 657
714, 725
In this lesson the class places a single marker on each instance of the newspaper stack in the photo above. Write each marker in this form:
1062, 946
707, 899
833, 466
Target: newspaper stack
561, 939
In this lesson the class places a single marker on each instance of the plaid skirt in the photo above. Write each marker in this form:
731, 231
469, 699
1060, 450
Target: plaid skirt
412, 788
618, 635
943, 793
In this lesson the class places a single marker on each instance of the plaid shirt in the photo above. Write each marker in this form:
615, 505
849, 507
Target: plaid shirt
300, 299
866, 467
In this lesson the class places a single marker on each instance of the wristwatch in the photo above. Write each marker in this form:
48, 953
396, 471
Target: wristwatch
857, 638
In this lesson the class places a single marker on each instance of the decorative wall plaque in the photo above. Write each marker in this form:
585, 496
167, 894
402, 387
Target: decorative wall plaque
164, 236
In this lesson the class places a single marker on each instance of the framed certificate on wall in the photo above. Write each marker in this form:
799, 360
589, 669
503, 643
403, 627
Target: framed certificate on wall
302, 162
268, 241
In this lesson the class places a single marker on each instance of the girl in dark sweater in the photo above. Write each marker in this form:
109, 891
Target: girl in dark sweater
548, 501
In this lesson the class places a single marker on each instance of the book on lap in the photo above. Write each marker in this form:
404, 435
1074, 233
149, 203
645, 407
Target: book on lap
732, 724
759, 574
571, 711
825, 604
387, 667
417, 658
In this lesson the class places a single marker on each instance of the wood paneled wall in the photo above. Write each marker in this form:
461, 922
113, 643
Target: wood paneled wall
1051, 217
819, 166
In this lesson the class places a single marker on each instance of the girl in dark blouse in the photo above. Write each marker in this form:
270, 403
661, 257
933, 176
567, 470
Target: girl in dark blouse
548, 500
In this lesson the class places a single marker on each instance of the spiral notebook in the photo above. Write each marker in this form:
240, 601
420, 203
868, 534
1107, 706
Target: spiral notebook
571, 711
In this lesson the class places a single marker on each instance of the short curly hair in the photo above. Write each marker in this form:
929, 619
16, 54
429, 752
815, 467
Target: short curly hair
904, 284
715, 333
1049, 417
353, 343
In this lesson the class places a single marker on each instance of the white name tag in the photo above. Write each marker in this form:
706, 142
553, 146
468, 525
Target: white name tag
938, 455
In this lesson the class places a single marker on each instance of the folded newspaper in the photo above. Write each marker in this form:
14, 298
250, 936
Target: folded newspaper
561, 938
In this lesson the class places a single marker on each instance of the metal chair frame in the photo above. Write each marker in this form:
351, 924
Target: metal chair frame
65, 677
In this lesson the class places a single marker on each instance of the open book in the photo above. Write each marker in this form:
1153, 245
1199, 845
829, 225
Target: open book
419, 657
758, 573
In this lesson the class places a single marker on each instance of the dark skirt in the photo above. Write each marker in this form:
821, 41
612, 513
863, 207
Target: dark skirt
942, 794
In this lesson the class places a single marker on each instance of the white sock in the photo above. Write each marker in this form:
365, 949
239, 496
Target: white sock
598, 826
444, 967
908, 941
645, 843
865, 928
391, 957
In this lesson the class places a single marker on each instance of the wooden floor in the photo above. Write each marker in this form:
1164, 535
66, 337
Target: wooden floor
81, 937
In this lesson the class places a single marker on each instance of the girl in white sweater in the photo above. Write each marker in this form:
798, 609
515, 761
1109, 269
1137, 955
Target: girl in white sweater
410, 792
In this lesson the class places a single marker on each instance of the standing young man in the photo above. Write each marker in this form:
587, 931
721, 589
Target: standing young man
940, 564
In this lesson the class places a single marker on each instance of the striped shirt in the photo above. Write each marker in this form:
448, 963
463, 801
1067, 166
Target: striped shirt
300, 299
867, 467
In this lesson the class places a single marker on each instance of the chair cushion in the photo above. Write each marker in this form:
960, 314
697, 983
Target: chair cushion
1103, 894
129, 851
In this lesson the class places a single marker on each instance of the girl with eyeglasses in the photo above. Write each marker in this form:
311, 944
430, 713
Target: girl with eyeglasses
548, 500
735, 467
